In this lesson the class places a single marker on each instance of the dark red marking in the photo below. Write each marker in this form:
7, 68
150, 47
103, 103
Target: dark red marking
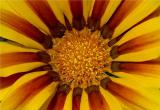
106, 33
44, 56
114, 53
115, 40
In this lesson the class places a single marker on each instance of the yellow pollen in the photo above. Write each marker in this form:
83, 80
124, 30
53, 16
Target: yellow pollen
80, 57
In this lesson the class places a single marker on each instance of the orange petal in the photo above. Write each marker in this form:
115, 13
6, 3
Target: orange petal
134, 93
26, 86
24, 27
7, 81
130, 14
44, 11
98, 10
123, 10
77, 93
76, 7
96, 100
139, 43
58, 101
128, 94
147, 68
18, 58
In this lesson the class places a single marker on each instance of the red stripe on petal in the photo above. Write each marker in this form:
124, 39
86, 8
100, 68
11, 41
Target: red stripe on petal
18, 58
122, 11
42, 68
28, 90
155, 13
68, 25
144, 68
76, 102
132, 67
96, 100
113, 24
6, 81
77, 93
44, 11
97, 12
139, 43
99, 9
77, 12
140, 68
24, 27
126, 93
57, 103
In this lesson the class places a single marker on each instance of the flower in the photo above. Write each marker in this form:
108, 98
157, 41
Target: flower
80, 55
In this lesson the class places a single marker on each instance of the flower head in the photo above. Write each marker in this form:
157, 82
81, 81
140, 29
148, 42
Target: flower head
80, 55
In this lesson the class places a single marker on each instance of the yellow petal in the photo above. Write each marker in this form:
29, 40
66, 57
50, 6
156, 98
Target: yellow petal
84, 105
140, 43
22, 9
97, 11
9, 47
65, 8
39, 99
146, 81
10, 34
138, 95
91, 7
139, 13
126, 105
7, 71
86, 8
113, 103
16, 62
141, 29
112, 6
16, 97
144, 55
148, 68
56, 10
45, 105
4, 92
68, 101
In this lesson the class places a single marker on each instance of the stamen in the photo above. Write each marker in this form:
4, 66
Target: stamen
80, 57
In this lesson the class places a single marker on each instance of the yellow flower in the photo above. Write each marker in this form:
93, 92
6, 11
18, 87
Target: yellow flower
80, 55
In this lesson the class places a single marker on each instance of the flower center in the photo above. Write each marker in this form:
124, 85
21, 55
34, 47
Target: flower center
80, 57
